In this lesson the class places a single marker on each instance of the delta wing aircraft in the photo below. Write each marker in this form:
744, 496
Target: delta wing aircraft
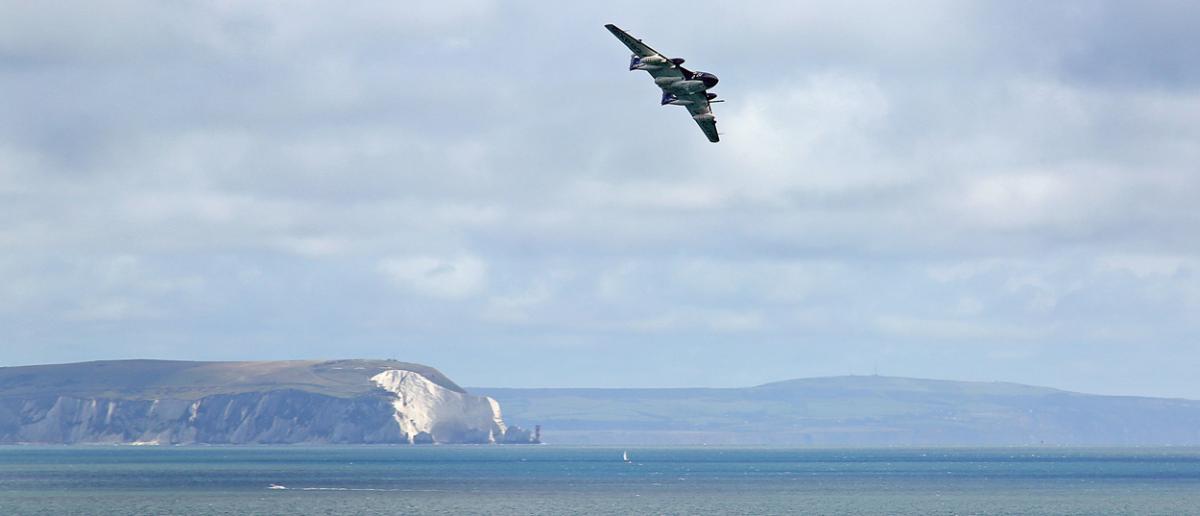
680, 86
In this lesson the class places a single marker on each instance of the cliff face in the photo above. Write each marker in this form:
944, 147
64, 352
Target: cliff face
350, 402
285, 416
427, 412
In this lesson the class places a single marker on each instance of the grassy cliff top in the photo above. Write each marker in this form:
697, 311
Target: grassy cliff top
155, 379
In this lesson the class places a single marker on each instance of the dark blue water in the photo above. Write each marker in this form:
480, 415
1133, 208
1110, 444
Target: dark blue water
564, 480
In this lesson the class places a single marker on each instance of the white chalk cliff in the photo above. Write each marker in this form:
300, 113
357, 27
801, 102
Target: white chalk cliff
428, 412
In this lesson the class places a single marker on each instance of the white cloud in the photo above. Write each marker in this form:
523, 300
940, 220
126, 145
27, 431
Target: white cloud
698, 320
455, 277
1013, 200
743, 321
810, 134
963, 330
783, 281
951, 272
113, 310
968, 306
1146, 266
314, 246
517, 307
1041, 293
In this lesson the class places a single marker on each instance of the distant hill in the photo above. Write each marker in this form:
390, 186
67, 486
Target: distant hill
852, 411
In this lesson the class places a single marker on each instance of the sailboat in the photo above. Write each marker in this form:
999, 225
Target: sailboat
625, 457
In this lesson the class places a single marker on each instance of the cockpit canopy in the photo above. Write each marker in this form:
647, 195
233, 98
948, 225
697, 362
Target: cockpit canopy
708, 79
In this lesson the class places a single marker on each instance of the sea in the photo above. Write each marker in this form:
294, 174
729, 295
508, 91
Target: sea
547, 479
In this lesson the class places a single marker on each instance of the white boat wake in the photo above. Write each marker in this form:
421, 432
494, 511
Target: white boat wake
278, 486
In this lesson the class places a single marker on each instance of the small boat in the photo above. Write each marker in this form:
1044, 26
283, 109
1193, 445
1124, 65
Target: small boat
276, 486
625, 457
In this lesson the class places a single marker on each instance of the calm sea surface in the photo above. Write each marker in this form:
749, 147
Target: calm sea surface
565, 480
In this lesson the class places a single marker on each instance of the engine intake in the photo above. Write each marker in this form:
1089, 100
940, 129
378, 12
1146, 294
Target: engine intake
647, 63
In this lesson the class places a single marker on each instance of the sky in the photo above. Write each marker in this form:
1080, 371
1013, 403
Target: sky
992, 191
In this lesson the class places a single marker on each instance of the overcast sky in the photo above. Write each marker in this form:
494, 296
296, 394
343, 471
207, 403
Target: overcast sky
966, 190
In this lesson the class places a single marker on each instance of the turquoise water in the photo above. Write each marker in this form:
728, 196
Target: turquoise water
565, 480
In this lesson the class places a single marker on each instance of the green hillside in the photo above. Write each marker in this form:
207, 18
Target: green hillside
153, 379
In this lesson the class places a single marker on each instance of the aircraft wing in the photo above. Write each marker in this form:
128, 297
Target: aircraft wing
710, 129
640, 49
701, 112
